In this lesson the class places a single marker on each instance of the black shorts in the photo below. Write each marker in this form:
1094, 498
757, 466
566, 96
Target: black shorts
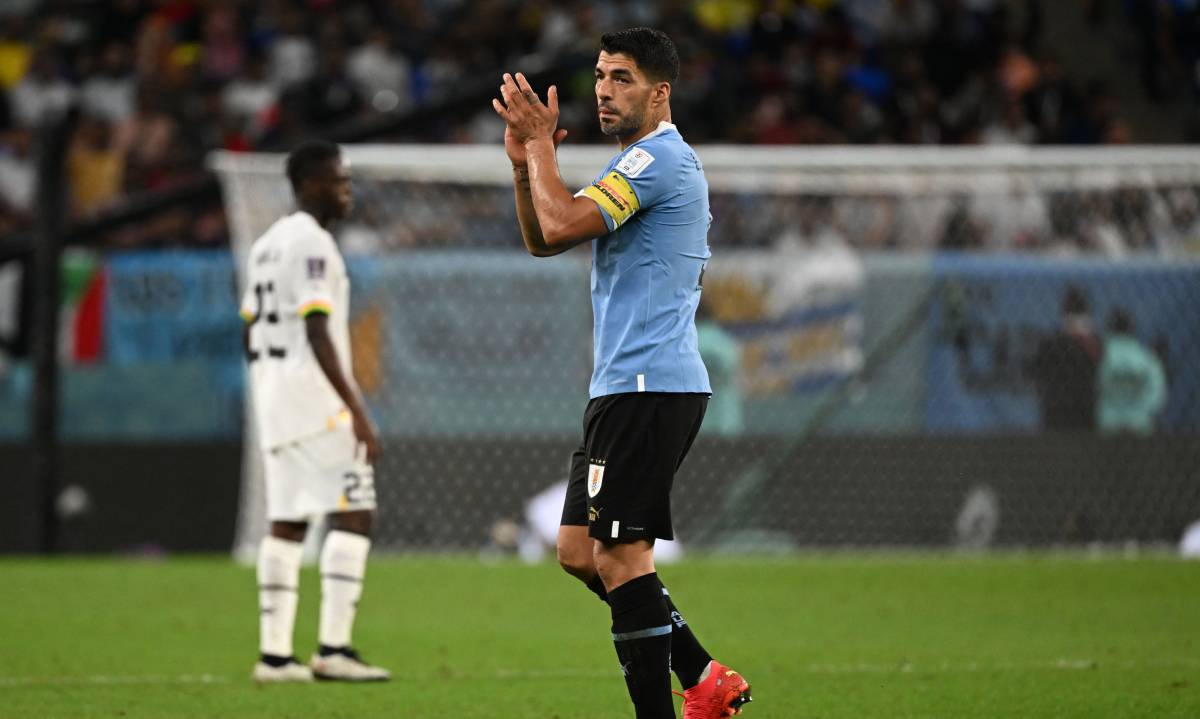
621, 476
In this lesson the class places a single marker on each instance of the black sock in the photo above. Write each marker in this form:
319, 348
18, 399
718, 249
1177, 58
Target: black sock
325, 650
641, 628
688, 658
597, 586
273, 660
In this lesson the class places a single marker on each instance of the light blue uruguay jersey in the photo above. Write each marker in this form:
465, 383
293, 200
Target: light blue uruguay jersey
646, 271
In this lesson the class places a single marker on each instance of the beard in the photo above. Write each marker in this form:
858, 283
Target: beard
623, 124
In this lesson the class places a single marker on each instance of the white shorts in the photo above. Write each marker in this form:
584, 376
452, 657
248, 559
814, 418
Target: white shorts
319, 475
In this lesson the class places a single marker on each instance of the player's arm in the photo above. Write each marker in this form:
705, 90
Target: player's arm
308, 271
565, 220
316, 329
531, 230
552, 219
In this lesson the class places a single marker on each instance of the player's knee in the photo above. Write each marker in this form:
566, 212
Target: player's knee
609, 568
576, 562
619, 562
289, 531
355, 522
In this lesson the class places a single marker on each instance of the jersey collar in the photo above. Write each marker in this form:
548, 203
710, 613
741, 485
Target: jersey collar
663, 126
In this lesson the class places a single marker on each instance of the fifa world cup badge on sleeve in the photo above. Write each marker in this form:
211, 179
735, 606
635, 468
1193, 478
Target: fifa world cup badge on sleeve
635, 162
595, 479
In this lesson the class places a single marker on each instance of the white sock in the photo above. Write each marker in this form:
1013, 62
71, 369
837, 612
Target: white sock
343, 564
278, 594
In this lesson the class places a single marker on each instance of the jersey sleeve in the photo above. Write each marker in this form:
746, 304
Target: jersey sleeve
310, 270
640, 178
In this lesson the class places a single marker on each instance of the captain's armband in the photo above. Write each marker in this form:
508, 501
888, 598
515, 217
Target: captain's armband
615, 196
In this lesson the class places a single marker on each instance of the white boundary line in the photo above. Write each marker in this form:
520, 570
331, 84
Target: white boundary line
1061, 664
113, 680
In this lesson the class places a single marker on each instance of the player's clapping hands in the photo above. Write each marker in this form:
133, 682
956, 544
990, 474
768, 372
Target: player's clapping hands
526, 116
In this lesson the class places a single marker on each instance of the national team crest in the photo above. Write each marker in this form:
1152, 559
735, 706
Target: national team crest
316, 268
595, 479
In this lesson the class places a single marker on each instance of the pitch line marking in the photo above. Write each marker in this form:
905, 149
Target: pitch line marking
113, 680
1061, 664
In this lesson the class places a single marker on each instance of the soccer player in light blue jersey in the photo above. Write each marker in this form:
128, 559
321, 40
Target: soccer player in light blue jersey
647, 218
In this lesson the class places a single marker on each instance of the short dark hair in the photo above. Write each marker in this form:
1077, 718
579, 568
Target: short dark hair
651, 49
1075, 301
307, 157
1120, 321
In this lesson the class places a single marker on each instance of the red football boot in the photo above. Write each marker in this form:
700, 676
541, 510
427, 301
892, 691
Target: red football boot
721, 694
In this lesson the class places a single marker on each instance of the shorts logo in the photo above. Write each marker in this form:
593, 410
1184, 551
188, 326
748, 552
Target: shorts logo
595, 479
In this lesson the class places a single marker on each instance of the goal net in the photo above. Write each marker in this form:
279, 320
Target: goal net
968, 347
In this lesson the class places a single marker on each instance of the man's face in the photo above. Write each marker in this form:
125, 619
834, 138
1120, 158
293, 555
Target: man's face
332, 189
623, 94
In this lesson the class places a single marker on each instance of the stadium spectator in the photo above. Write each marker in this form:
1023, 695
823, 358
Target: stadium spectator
1053, 103
95, 166
15, 51
1063, 368
249, 97
293, 56
722, 355
110, 92
247, 76
1131, 383
1011, 128
1181, 226
963, 230
43, 93
17, 179
330, 96
223, 49
147, 138
382, 74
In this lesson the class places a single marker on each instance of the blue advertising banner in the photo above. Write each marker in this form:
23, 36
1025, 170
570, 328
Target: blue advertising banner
468, 343
444, 342
994, 320
494, 343
171, 306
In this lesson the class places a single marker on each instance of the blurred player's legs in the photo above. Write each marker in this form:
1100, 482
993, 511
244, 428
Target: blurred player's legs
343, 567
322, 475
278, 585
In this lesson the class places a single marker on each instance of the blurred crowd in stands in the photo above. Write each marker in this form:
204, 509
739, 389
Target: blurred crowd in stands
1120, 222
160, 83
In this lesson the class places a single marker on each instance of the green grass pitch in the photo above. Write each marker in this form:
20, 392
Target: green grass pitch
820, 637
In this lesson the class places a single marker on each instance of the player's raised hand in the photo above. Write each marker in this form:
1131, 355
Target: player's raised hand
527, 117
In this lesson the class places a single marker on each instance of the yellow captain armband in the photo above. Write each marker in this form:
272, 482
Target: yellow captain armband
247, 316
316, 306
615, 196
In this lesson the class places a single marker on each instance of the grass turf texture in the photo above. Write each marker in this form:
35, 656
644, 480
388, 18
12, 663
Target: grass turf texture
820, 637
